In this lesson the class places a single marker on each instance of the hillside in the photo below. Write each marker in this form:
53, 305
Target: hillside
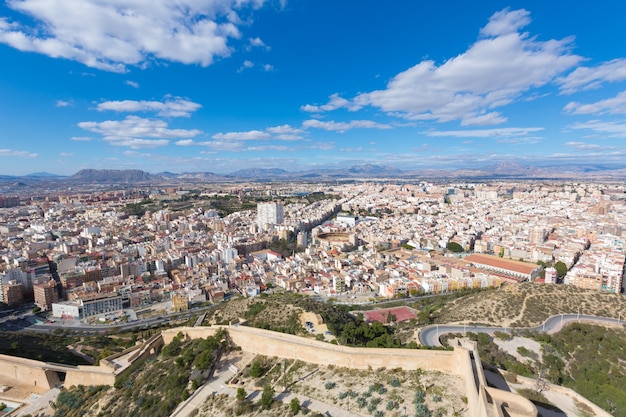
525, 305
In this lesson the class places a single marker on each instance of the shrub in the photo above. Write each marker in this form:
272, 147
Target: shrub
294, 405
267, 396
256, 370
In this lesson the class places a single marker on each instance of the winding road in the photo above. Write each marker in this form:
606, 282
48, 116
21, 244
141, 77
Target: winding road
429, 335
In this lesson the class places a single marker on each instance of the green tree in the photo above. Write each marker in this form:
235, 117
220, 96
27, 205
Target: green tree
561, 269
267, 396
256, 370
241, 394
294, 405
454, 247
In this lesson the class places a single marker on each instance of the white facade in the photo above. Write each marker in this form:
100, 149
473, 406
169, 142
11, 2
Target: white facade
269, 214
79, 309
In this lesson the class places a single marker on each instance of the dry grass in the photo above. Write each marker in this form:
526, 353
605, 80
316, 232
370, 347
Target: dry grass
382, 386
524, 305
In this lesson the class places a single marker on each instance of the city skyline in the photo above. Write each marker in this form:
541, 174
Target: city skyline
298, 85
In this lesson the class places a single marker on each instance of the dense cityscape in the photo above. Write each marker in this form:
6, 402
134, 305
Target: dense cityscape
65, 250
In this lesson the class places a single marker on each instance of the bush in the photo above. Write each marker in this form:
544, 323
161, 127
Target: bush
256, 370
330, 385
294, 405
241, 394
267, 396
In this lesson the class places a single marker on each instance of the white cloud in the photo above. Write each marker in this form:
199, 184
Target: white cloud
286, 132
278, 148
607, 129
246, 64
170, 107
63, 103
66, 154
335, 102
587, 146
268, 68
493, 118
133, 84
223, 146
324, 146
506, 22
257, 42
186, 142
484, 133
496, 70
249, 135
284, 129
343, 126
138, 143
112, 35
81, 139
587, 78
529, 140
133, 131
615, 105
19, 154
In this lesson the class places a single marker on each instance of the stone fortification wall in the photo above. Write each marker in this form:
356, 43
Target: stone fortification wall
27, 372
288, 346
482, 399
90, 375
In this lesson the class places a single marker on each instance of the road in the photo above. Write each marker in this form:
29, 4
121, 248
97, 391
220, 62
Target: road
27, 324
429, 335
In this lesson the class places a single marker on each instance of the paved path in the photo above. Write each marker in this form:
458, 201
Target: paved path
429, 335
218, 385
40, 404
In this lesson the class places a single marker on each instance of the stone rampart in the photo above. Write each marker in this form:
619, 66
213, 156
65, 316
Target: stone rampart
262, 342
89, 375
28, 372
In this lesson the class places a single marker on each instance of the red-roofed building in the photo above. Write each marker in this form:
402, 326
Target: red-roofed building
521, 271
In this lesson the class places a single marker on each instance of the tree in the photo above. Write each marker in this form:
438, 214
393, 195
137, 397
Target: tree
454, 247
241, 394
267, 396
256, 370
294, 405
561, 269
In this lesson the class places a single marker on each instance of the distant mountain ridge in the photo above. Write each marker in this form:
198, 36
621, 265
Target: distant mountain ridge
503, 170
112, 175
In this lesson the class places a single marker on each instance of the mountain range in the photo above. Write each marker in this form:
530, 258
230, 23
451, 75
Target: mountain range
504, 170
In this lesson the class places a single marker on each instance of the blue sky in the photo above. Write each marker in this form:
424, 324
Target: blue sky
222, 85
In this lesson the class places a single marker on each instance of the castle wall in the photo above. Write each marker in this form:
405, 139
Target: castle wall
27, 372
288, 346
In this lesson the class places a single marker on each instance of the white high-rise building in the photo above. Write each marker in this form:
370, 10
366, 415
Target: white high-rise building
269, 214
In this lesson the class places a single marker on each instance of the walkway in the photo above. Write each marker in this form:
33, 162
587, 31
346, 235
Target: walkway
219, 385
